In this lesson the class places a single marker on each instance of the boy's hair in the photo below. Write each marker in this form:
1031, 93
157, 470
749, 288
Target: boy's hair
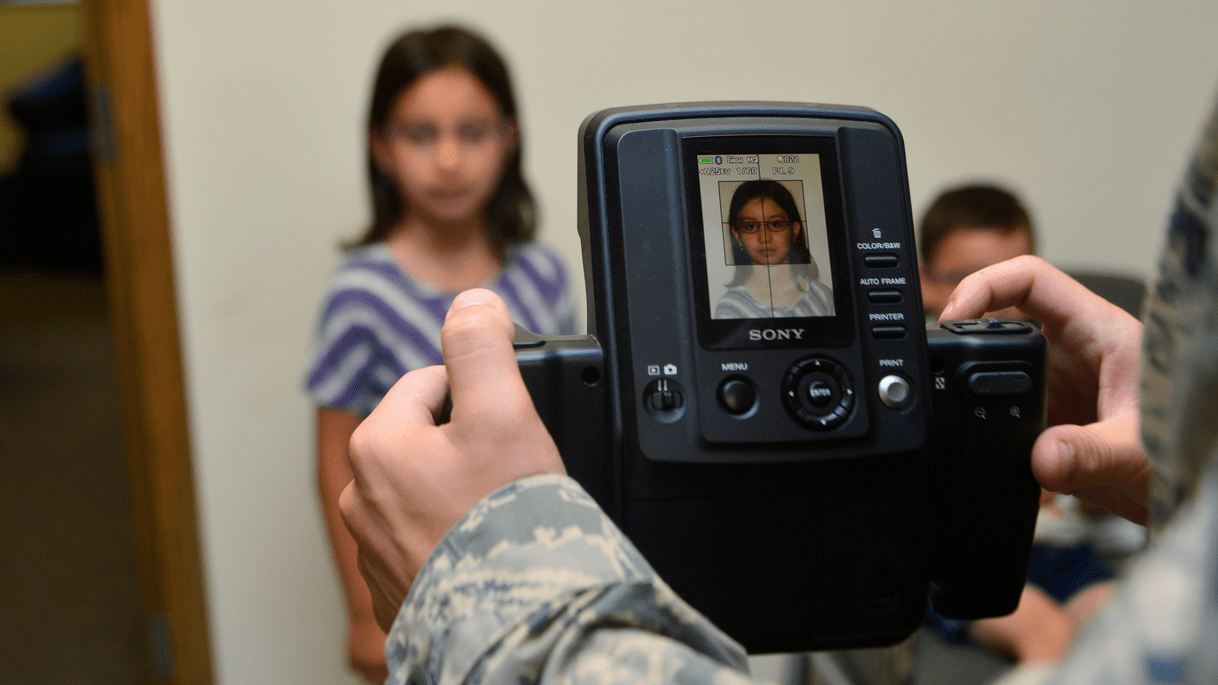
972, 206
510, 211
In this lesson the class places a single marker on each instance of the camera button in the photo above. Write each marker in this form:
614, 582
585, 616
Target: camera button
999, 383
820, 393
888, 332
831, 420
884, 296
989, 327
881, 261
847, 402
737, 396
895, 392
664, 400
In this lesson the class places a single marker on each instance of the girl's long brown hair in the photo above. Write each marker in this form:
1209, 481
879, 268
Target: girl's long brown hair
510, 211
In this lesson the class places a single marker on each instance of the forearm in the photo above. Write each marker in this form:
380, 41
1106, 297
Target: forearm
536, 584
1038, 631
334, 430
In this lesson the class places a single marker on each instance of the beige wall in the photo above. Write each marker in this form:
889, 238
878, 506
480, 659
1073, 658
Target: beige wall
1085, 107
32, 38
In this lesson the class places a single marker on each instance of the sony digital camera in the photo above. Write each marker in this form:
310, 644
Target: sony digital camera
759, 404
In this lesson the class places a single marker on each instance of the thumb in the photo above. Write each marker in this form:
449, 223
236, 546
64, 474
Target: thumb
477, 344
492, 412
1102, 462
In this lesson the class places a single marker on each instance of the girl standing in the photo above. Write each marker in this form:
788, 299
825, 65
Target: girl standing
451, 211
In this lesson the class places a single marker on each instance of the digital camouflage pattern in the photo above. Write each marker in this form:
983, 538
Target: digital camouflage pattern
1162, 627
535, 583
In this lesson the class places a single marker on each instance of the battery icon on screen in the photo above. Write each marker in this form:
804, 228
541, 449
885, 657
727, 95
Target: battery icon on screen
706, 160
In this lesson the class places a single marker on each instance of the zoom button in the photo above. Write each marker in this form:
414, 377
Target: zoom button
999, 383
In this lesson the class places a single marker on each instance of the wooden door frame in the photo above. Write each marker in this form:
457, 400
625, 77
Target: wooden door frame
134, 213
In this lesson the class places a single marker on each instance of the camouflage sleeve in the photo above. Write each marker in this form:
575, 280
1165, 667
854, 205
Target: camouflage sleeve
536, 584
1162, 627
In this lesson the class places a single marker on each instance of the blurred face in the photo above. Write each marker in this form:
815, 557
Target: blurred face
765, 231
444, 144
964, 251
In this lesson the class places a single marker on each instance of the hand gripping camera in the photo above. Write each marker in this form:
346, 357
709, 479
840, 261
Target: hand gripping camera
757, 404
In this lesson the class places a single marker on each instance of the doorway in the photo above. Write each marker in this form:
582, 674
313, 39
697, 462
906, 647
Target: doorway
118, 319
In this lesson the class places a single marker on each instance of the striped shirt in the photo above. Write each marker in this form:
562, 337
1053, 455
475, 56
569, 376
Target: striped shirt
378, 322
736, 303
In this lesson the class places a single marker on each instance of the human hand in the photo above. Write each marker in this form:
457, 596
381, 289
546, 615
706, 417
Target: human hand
413, 479
366, 649
1038, 631
1092, 449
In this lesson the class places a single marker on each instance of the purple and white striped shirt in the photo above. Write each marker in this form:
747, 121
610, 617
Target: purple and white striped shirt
378, 322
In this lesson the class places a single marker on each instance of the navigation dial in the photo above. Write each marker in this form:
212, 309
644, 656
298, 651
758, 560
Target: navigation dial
818, 393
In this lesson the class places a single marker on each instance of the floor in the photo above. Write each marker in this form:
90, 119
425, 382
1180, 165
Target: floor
69, 597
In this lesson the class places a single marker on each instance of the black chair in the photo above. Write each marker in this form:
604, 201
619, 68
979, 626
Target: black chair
48, 215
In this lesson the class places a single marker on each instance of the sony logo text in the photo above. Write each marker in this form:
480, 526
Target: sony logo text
776, 334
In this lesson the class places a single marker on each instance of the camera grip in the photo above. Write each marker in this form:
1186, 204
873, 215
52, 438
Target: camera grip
564, 375
989, 407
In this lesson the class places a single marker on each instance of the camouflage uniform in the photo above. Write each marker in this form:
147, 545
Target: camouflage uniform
1162, 627
535, 582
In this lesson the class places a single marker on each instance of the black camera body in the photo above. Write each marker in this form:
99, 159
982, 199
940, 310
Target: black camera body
757, 404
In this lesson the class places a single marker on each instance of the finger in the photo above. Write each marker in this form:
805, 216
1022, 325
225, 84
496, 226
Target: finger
1106, 453
358, 518
384, 607
482, 296
1116, 501
1100, 456
482, 369
1030, 284
417, 397
411, 405
349, 509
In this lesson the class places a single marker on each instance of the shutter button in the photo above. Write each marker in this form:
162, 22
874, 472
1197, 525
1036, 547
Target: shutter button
895, 392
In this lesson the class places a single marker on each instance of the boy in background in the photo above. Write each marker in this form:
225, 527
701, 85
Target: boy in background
965, 230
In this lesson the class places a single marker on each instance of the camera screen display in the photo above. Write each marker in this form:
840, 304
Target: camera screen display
768, 237
767, 248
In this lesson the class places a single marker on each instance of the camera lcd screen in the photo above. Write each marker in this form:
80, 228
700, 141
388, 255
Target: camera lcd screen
763, 220
766, 230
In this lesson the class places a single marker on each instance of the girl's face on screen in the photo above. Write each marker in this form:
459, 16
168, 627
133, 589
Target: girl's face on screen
765, 231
